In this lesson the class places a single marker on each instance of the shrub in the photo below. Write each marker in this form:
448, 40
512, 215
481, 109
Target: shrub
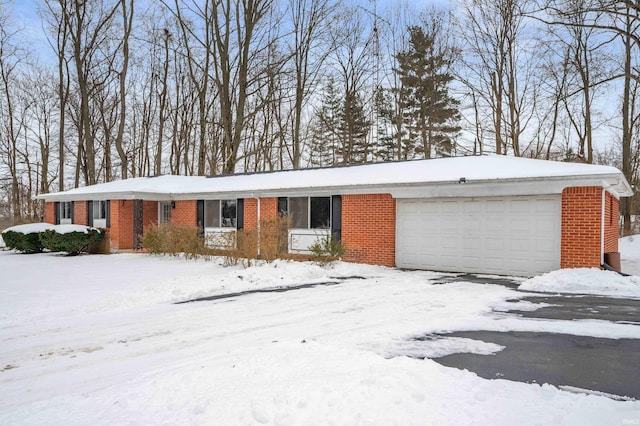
327, 249
71, 242
274, 238
172, 239
25, 243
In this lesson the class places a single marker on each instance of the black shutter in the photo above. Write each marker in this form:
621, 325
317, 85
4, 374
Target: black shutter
73, 212
200, 216
56, 213
240, 213
89, 213
107, 208
336, 217
283, 206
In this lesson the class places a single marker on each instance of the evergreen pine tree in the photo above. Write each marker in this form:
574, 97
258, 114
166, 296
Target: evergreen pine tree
324, 141
353, 127
431, 113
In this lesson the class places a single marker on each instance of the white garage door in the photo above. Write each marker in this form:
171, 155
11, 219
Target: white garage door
502, 235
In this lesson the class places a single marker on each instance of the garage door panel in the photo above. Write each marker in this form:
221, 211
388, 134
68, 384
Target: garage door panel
503, 235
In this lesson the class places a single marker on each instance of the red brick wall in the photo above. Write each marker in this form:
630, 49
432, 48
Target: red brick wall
80, 212
121, 230
49, 212
185, 213
268, 211
369, 228
149, 215
269, 208
611, 217
250, 213
581, 227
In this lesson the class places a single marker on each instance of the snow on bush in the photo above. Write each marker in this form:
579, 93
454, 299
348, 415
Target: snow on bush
585, 281
34, 237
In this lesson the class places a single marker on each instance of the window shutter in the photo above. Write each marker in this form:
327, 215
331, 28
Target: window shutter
56, 213
107, 208
336, 217
89, 213
73, 212
200, 215
283, 206
240, 213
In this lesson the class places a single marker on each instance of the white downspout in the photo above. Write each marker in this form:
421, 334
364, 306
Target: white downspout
602, 227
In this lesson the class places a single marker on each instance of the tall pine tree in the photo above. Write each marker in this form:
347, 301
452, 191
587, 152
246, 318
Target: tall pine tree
431, 114
340, 129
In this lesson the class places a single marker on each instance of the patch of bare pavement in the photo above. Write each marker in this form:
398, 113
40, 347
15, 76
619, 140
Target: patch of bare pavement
575, 363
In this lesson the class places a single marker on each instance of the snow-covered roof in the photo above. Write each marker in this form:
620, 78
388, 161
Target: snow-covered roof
483, 175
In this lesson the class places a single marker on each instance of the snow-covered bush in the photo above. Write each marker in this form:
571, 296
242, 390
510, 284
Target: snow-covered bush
35, 237
25, 238
25, 243
73, 242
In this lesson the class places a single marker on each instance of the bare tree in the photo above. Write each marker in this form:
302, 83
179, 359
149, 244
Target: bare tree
60, 31
127, 25
500, 68
12, 123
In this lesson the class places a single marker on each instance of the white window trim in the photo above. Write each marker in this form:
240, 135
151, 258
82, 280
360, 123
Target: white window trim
98, 222
301, 239
220, 215
61, 211
309, 228
161, 205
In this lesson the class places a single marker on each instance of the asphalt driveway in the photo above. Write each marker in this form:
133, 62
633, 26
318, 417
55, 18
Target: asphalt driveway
610, 366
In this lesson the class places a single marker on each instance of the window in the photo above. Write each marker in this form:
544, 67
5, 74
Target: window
99, 209
310, 212
99, 213
65, 212
320, 212
299, 212
164, 212
220, 213
228, 213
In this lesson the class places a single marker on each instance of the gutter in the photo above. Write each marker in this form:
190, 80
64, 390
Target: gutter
615, 182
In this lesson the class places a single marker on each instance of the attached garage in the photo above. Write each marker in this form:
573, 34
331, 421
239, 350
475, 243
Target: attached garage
517, 235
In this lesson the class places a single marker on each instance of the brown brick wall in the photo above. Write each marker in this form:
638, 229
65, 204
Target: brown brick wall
269, 208
149, 215
581, 214
121, 224
369, 228
250, 214
80, 212
611, 217
185, 213
49, 212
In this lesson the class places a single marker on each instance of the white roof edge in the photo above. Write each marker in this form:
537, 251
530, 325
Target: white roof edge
615, 183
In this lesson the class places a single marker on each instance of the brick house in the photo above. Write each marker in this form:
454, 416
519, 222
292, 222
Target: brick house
488, 214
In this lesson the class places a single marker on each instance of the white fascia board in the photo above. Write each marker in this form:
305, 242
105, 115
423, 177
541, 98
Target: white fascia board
125, 195
614, 183
542, 186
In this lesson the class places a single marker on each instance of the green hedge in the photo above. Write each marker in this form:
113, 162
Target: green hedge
35, 242
25, 243
70, 242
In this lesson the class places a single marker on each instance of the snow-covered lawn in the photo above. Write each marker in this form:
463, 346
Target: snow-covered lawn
98, 340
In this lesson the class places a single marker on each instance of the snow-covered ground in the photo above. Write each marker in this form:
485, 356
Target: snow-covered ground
98, 340
629, 248
595, 281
